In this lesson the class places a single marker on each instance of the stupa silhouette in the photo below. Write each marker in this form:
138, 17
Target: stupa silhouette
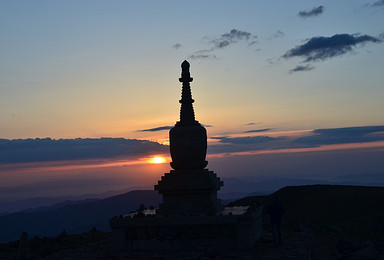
190, 216
189, 188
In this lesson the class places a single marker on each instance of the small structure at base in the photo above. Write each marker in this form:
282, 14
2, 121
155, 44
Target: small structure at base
191, 216
223, 232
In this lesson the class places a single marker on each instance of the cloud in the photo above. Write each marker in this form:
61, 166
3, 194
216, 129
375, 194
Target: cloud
246, 139
258, 130
232, 37
314, 12
177, 46
379, 3
313, 139
278, 34
343, 135
201, 56
322, 48
225, 40
47, 149
160, 128
302, 68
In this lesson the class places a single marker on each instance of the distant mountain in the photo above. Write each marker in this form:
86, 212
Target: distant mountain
42, 202
270, 185
58, 205
74, 218
357, 209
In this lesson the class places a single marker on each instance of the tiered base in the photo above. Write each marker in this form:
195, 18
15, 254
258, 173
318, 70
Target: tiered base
223, 232
189, 192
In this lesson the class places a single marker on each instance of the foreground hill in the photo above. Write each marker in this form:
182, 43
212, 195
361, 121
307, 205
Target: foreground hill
74, 218
321, 221
355, 209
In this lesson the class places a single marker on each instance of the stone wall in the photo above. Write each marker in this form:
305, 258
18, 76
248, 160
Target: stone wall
227, 232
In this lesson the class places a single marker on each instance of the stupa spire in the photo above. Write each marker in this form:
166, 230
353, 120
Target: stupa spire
188, 139
187, 114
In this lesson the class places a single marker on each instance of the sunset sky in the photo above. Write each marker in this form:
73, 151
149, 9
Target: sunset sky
269, 76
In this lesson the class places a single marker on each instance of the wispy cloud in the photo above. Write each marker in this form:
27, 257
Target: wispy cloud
343, 135
177, 46
306, 67
313, 12
202, 56
155, 129
319, 138
278, 34
246, 139
225, 40
231, 37
258, 130
379, 3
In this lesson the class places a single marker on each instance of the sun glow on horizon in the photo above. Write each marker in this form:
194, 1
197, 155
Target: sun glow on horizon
157, 160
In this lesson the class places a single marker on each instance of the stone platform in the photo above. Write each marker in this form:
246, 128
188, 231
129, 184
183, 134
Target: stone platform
189, 192
230, 230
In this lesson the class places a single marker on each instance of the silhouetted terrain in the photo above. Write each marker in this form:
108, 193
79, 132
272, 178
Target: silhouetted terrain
355, 209
74, 218
323, 221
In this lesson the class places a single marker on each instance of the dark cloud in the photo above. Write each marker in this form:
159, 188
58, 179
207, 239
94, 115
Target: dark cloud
344, 135
314, 12
379, 3
246, 139
232, 37
322, 48
306, 67
160, 128
252, 123
258, 130
317, 138
226, 39
177, 46
47, 149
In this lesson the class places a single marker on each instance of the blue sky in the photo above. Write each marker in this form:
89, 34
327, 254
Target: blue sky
268, 75
109, 68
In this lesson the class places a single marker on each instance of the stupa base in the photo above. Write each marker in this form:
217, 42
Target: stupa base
154, 233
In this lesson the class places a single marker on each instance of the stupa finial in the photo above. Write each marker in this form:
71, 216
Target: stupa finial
185, 75
187, 114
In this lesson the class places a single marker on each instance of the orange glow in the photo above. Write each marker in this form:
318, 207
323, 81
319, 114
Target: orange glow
157, 160
378, 146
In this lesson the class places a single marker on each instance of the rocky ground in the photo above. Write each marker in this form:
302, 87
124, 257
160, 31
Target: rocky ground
299, 243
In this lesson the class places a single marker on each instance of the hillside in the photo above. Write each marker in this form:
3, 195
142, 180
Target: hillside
355, 209
74, 218
321, 221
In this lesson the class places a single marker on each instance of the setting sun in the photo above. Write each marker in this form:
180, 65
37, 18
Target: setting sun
157, 159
